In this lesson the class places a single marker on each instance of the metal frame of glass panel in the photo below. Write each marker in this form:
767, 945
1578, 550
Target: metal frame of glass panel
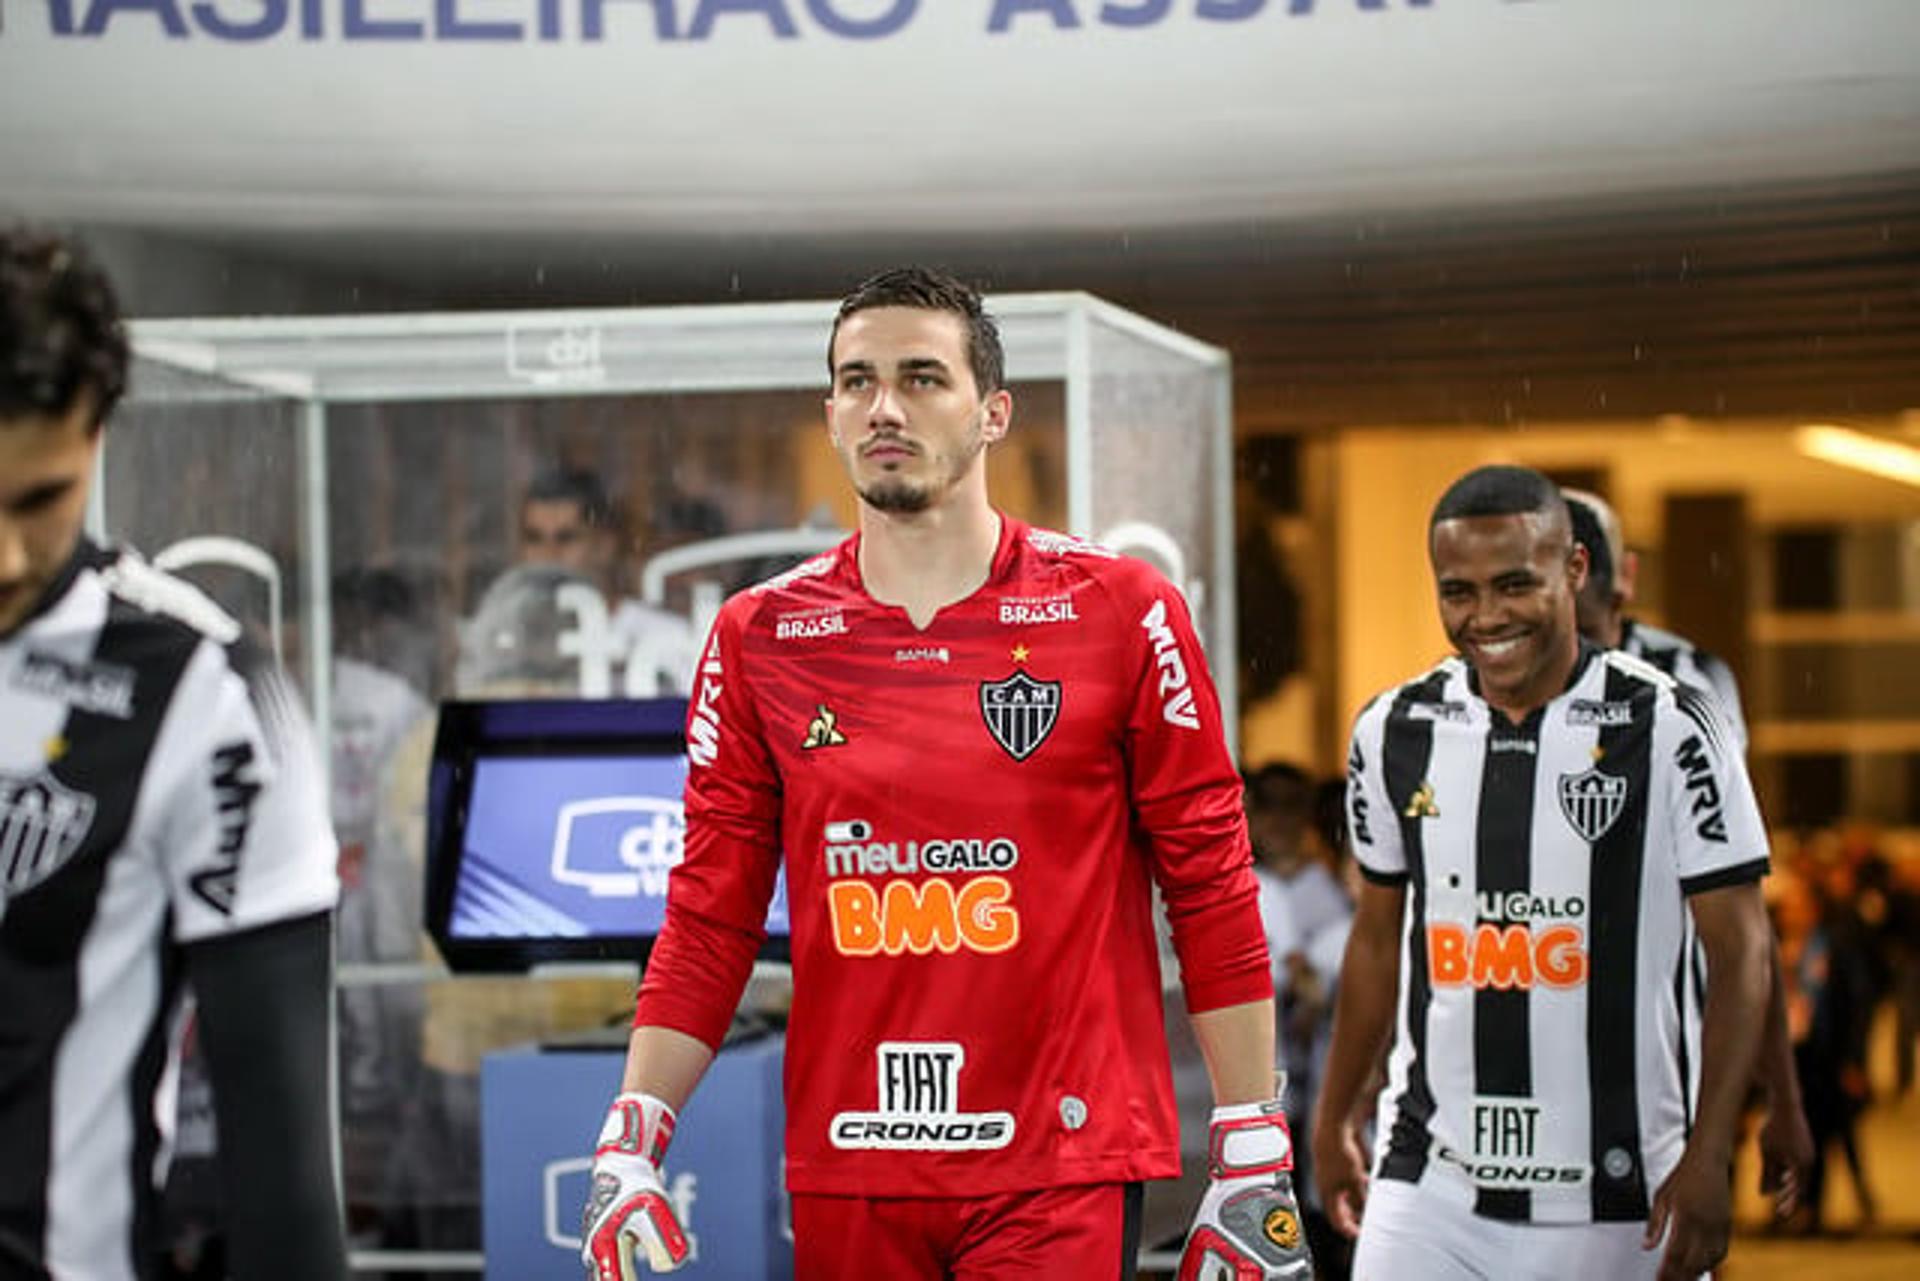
663, 350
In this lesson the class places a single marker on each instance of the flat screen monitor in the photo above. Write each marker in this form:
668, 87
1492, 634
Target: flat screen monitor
551, 828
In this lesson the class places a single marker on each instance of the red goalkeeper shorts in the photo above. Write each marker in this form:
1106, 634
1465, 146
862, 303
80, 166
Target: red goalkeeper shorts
1080, 1232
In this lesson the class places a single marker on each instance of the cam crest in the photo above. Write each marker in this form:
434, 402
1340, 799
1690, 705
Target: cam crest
1020, 712
1592, 802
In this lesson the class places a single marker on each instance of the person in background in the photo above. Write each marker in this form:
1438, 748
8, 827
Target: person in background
512, 647
162, 818
568, 521
1829, 1010
374, 708
1307, 912
1604, 619
1901, 886
1786, 1143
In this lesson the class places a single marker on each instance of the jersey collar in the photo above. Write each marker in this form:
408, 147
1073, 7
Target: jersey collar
1581, 661
86, 555
1013, 536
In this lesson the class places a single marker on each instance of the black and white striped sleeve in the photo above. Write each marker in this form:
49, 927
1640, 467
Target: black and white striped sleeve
1713, 819
244, 838
1371, 824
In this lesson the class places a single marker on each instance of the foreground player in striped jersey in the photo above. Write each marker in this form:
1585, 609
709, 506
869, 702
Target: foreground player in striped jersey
977, 746
1534, 818
160, 816
1786, 1144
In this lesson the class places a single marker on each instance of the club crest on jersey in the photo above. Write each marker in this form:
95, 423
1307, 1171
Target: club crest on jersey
42, 826
1020, 712
823, 730
1592, 801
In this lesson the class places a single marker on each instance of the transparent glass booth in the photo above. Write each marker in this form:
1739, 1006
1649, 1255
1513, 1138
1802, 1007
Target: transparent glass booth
365, 493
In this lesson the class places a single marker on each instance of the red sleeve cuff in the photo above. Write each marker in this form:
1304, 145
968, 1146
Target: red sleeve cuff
1232, 989
694, 976
1222, 947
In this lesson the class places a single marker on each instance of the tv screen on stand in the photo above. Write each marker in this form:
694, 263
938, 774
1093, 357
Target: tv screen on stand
552, 826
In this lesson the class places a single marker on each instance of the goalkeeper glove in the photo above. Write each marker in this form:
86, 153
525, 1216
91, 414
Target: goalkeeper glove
627, 1206
1248, 1225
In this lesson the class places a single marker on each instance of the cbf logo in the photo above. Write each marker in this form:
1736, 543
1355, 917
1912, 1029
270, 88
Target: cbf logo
1020, 712
42, 826
1592, 801
619, 846
555, 355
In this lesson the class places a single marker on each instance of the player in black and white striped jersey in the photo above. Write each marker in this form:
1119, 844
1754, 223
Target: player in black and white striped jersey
1604, 620
160, 818
1536, 817
1786, 1142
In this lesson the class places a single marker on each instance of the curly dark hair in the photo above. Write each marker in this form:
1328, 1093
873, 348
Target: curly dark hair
60, 332
932, 290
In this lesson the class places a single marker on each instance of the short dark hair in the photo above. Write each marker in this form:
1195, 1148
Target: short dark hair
573, 485
1592, 535
1283, 788
372, 591
1498, 491
60, 332
932, 290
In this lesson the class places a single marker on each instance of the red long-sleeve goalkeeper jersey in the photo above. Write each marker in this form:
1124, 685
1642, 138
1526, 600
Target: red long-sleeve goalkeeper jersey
970, 815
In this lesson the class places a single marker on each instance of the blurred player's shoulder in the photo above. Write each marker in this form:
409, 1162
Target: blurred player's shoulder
824, 582
1644, 638
157, 597
1637, 668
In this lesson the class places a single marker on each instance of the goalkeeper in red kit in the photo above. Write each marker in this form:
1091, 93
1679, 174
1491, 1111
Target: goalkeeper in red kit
979, 746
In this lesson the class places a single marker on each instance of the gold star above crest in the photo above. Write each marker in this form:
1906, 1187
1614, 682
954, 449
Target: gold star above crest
1598, 752
56, 747
1020, 653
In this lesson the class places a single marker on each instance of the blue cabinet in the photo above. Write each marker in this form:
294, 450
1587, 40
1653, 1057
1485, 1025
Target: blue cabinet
540, 1111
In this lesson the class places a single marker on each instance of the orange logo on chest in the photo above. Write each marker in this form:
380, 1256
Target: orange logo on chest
899, 916
1511, 956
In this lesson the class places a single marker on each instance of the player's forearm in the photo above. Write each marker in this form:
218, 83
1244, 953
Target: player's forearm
1237, 1043
1735, 934
266, 1004
664, 1063
1775, 1071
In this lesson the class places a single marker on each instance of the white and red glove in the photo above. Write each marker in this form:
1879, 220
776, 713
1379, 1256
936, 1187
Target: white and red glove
1248, 1225
627, 1205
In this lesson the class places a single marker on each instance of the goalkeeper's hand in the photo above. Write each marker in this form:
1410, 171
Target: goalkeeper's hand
627, 1205
1248, 1225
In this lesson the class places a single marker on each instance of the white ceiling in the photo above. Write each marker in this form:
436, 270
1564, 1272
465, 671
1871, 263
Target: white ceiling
729, 150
